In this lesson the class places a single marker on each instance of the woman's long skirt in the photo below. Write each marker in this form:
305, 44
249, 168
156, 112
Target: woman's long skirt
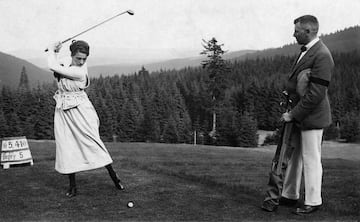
78, 143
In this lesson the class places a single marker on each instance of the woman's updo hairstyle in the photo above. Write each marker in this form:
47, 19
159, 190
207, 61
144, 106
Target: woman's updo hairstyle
79, 46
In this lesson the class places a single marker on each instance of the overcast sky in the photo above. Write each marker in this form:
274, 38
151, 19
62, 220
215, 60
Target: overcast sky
175, 26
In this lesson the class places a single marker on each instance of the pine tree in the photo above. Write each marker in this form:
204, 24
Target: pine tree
159, 112
170, 133
27, 112
180, 115
217, 68
272, 109
228, 127
131, 120
24, 81
13, 123
44, 116
350, 127
106, 129
10, 100
4, 129
151, 126
247, 131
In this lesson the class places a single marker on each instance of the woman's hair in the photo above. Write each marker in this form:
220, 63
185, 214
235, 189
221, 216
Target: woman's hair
79, 46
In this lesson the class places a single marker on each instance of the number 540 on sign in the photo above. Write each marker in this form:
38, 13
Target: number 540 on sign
14, 144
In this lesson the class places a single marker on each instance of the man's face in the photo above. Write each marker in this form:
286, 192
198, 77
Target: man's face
301, 34
79, 59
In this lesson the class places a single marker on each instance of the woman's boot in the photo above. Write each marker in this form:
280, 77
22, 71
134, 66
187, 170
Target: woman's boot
72, 191
114, 177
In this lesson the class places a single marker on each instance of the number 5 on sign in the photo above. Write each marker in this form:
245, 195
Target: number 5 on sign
15, 150
16, 155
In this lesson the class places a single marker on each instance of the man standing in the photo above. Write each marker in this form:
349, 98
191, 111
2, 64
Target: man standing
310, 112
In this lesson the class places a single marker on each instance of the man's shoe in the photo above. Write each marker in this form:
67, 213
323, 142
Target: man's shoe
287, 202
268, 206
306, 209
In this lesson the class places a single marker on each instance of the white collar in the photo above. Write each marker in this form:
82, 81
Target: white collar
312, 43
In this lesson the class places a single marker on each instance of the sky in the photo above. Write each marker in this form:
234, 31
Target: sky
164, 28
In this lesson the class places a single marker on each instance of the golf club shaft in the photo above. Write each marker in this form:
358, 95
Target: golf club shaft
92, 27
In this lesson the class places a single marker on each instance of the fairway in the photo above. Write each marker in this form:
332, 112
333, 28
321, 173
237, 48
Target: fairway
169, 182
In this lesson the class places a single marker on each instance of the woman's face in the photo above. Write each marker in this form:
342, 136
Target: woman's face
79, 59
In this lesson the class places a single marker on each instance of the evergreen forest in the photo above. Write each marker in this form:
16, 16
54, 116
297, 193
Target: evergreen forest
176, 106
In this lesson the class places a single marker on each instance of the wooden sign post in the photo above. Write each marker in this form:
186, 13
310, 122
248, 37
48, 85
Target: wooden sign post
15, 150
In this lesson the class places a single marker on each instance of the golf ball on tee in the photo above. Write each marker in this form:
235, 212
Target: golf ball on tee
130, 204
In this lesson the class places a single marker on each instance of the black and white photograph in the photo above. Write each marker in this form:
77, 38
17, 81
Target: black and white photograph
187, 110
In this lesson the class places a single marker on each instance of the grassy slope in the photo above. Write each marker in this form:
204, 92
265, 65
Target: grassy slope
167, 183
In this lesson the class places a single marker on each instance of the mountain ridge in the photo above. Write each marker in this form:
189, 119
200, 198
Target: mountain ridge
156, 66
11, 67
344, 40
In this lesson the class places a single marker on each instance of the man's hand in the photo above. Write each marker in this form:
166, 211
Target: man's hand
286, 117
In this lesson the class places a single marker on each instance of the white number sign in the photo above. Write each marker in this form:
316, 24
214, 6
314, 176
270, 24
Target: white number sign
15, 150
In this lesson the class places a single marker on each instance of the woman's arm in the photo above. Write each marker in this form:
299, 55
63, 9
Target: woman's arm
72, 72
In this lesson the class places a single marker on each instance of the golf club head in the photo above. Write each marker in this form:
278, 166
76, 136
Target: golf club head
130, 12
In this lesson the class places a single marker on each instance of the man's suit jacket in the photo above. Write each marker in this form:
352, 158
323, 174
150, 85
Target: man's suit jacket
312, 110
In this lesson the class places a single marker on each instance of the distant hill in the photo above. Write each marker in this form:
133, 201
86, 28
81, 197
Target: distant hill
106, 70
340, 41
10, 71
165, 65
190, 62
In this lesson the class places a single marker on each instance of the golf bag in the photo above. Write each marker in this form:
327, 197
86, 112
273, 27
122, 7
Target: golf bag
288, 141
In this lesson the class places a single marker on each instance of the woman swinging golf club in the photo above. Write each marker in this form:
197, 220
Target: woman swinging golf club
76, 124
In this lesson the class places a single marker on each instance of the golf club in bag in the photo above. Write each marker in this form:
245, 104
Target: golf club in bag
130, 12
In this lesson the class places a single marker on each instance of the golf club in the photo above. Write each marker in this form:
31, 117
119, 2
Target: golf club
130, 12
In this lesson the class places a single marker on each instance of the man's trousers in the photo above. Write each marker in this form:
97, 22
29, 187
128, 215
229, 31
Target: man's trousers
306, 161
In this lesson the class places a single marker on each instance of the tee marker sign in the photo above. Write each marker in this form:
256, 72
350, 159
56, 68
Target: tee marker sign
15, 150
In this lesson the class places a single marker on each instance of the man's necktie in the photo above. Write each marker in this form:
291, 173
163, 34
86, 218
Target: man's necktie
303, 49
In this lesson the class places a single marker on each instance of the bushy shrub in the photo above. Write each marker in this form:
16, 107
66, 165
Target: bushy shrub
350, 127
272, 139
332, 132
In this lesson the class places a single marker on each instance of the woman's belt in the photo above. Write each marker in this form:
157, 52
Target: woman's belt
68, 100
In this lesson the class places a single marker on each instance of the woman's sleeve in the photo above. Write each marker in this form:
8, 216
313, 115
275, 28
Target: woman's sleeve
72, 72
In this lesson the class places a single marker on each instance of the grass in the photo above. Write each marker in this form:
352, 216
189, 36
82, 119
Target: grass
170, 182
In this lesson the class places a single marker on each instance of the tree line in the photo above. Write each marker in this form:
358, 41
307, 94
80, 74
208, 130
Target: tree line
170, 105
